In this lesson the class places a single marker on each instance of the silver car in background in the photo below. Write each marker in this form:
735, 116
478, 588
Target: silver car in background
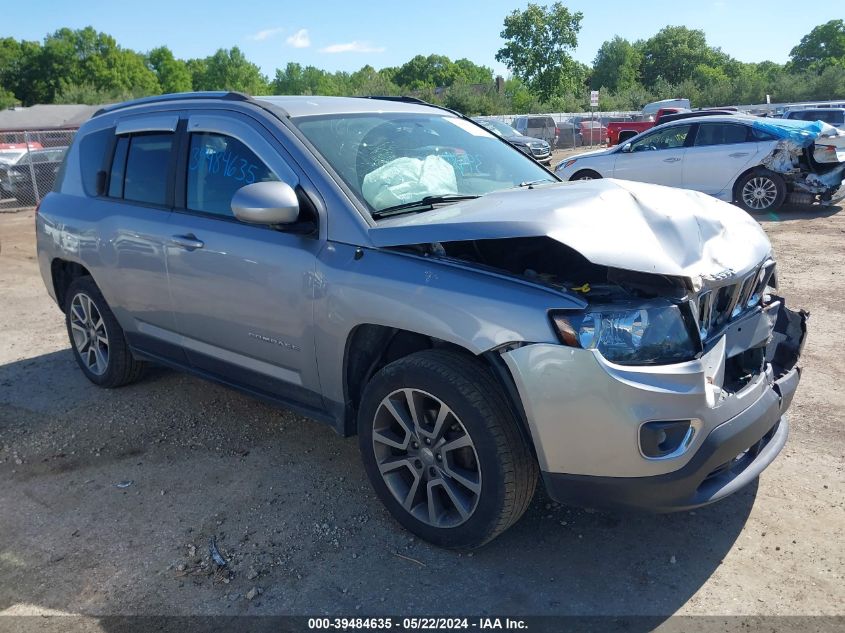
752, 161
398, 272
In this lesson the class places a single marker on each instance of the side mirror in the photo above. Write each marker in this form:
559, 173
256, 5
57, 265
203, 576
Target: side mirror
626, 147
272, 202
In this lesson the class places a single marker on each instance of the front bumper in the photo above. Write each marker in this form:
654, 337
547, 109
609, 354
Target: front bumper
584, 415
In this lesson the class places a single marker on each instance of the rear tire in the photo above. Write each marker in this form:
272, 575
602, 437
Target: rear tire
96, 338
459, 483
760, 191
585, 174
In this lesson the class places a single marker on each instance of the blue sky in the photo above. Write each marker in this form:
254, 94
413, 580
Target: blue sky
346, 35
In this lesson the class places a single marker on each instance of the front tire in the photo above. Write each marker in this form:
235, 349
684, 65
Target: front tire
96, 338
443, 451
585, 174
759, 191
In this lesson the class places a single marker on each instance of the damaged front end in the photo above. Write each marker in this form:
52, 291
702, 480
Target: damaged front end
657, 401
664, 386
809, 155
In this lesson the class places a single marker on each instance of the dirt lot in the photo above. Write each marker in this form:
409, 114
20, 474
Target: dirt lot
287, 500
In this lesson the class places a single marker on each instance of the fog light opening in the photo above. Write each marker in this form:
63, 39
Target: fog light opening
666, 439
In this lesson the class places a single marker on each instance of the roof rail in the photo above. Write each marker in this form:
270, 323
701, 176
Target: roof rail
406, 99
176, 96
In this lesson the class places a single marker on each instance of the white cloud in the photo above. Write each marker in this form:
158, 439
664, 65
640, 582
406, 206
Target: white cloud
352, 47
264, 34
299, 39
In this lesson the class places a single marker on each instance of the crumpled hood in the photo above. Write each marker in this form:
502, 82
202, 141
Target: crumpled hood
622, 224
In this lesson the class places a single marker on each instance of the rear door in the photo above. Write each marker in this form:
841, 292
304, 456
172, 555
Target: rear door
138, 195
242, 293
657, 157
720, 153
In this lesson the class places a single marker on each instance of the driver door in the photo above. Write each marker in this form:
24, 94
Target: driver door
657, 157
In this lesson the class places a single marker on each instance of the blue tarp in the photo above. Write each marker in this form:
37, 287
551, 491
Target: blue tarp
803, 133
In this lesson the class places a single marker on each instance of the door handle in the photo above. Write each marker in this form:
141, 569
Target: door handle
189, 242
738, 154
674, 159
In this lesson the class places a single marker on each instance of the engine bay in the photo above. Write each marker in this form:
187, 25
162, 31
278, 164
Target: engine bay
546, 261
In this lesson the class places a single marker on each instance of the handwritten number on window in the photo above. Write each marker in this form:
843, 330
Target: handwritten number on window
226, 164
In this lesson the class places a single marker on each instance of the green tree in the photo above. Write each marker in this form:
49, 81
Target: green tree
674, 53
537, 48
197, 69
173, 74
617, 64
471, 73
434, 71
231, 70
369, 81
821, 47
85, 57
289, 81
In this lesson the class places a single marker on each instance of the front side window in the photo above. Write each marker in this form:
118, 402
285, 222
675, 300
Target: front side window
140, 168
218, 166
390, 159
668, 138
720, 134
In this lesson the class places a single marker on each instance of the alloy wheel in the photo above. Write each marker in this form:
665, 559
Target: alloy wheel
426, 458
90, 337
759, 193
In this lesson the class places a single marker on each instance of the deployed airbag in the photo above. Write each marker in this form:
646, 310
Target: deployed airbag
408, 179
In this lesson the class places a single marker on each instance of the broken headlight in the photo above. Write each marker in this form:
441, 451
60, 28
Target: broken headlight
656, 333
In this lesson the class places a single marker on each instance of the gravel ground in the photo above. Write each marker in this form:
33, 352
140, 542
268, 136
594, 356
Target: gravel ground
110, 498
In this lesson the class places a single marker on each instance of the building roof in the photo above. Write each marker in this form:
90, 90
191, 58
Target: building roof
46, 117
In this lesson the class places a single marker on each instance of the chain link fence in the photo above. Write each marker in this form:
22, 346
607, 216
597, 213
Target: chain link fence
29, 162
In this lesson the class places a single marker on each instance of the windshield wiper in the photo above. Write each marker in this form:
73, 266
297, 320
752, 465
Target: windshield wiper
531, 183
428, 201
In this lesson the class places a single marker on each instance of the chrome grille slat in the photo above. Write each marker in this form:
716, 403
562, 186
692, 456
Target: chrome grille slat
721, 302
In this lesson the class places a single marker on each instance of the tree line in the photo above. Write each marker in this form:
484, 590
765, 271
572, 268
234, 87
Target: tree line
87, 66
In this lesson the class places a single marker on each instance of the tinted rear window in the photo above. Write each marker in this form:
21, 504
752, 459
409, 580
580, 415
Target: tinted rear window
721, 134
147, 167
92, 151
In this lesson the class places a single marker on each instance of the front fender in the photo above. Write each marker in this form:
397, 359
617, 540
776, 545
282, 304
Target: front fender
473, 309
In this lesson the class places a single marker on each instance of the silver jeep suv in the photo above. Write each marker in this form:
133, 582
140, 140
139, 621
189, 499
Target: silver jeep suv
398, 272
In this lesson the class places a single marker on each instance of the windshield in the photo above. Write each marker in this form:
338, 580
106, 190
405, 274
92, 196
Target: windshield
391, 159
497, 127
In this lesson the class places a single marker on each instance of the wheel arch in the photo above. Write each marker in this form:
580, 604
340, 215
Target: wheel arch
62, 273
369, 347
577, 175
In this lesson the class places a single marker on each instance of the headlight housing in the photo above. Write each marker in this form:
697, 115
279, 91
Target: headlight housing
630, 334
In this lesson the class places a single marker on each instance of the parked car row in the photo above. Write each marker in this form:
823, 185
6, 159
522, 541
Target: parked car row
19, 166
536, 148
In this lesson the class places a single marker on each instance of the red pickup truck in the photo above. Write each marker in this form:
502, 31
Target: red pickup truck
620, 132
